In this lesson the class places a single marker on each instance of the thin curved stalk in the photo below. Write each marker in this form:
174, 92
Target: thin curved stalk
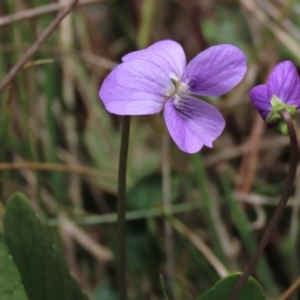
122, 208
166, 189
279, 210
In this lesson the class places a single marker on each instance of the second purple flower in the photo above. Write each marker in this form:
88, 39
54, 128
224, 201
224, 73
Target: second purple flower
281, 92
157, 78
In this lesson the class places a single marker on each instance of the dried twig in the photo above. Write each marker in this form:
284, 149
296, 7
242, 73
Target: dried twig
40, 11
57, 167
100, 252
284, 37
201, 246
250, 159
291, 290
236, 151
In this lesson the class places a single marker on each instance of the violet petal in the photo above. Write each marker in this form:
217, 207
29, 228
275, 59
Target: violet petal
216, 70
261, 100
285, 84
167, 54
136, 87
194, 124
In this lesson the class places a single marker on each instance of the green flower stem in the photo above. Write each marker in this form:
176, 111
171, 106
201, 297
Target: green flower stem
121, 243
279, 210
166, 189
148, 9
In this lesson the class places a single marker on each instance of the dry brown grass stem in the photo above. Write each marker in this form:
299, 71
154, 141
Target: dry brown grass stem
276, 14
249, 163
40, 11
284, 37
236, 151
82, 238
201, 246
31, 51
56, 167
86, 57
291, 290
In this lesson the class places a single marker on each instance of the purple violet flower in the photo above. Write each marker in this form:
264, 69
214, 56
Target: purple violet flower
282, 92
157, 78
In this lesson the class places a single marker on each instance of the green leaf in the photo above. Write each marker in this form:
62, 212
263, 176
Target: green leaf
11, 287
41, 266
224, 287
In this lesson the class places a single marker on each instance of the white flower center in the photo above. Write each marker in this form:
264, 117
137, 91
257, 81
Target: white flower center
178, 90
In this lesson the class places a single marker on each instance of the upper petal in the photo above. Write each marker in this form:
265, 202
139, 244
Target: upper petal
285, 84
136, 87
193, 124
216, 70
167, 54
261, 100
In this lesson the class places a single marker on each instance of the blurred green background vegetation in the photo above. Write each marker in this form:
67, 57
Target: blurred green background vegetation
60, 147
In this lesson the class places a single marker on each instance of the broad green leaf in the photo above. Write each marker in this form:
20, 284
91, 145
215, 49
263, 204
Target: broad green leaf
11, 287
224, 287
41, 266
